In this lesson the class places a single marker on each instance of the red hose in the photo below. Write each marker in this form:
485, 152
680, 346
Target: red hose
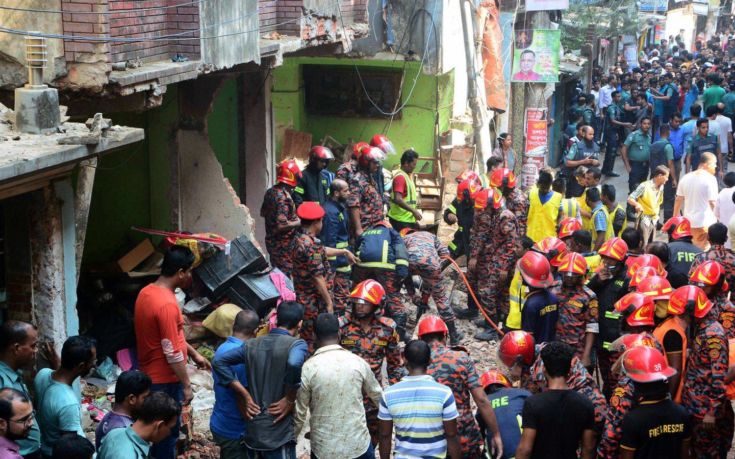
472, 292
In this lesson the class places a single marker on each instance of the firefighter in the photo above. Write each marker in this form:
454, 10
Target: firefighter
425, 254
539, 314
717, 235
569, 207
366, 333
658, 289
567, 227
637, 312
403, 211
609, 285
577, 324
365, 203
387, 148
581, 243
494, 240
706, 367
710, 276
279, 212
454, 368
347, 169
646, 260
544, 206
335, 233
313, 185
507, 403
383, 257
681, 250
505, 181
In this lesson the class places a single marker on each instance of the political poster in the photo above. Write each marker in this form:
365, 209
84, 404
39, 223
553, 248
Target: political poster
536, 134
546, 5
536, 56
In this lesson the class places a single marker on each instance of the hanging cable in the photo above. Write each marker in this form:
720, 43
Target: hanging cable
134, 10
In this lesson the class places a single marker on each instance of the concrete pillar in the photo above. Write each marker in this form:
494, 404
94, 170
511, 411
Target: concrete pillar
82, 201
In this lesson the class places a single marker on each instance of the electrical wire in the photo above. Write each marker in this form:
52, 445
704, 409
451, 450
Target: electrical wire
135, 10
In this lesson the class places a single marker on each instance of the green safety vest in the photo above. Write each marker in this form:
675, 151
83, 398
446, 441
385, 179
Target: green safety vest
398, 213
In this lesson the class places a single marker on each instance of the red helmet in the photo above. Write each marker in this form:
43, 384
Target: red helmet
535, 270
552, 247
368, 154
573, 263
320, 152
382, 142
644, 364
369, 291
469, 186
689, 298
288, 172
637, 308
517, 346
469, 174
645, 260
614, 248
488, 196
503, 177
642, 273
356, 148
709, 273
493, 377
631, 340
431, 324
655, 287
678, 226
568, 226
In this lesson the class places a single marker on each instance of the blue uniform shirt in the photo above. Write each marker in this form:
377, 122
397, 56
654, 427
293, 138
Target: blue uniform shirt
226, 420
335, 231
539, 316
507, 405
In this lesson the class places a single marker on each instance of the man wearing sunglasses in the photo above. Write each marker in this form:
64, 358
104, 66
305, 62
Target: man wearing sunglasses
16, 420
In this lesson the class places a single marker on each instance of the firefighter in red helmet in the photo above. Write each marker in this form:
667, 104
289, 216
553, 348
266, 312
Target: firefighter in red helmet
315, 178
279, 213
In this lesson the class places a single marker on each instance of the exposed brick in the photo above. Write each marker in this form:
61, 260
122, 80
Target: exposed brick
78, 27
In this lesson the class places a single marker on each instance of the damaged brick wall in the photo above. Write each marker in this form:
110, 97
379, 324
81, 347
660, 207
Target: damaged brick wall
18, 277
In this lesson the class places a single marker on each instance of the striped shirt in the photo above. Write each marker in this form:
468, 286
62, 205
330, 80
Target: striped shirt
418, 407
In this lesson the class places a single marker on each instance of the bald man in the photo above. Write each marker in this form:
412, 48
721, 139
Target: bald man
335, 233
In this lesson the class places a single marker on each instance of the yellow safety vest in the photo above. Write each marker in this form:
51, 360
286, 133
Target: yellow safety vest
398, 213
617, 208
651, 199
569, 208
609, 231
586, 221
593, 262
542, 218
518, 293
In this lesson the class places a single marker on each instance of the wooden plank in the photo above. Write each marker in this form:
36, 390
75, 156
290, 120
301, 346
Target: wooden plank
296, 144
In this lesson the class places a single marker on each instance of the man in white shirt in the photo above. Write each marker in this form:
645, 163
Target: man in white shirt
333, 381
725, 130
725, 206
696, 197
605, 95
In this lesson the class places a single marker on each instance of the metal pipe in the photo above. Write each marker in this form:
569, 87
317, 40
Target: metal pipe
36, 59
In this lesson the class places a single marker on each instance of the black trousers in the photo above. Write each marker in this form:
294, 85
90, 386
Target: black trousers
638, 174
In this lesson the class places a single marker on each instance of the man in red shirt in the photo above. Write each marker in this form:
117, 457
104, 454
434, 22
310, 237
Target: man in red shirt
159, 334
403, 212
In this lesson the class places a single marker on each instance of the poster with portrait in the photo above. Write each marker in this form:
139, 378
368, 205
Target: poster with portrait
536, 56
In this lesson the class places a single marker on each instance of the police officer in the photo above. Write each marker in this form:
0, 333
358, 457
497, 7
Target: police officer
425, 254
315, 178
681, 250
365, 202
335, 234
312, 277
613, 129
515, 201
585, 152
636, 154
383, 257
494, 240
403, 211
454, 368
279, 212
507, 403
366, 333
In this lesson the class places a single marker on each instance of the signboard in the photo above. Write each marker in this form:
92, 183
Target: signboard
536, 56
545, 5
653, 6
536, 146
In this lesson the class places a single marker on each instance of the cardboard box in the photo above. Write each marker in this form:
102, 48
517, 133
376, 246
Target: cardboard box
138, 255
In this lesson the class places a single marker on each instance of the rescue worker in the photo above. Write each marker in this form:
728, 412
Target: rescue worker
312, 277
591, 179
454, 368
618, 217
681, 250
279, 213
367, 333
577, 324
494, 239
403, 211
647, 199
494, 162
609, 284
658, 289
567, 227
539, 314
600, 220
387, 148
347, 169
717, 236
711, 277
383, 257
313, 185
637, 312
336, 234
365, 202
507, 403
646, 260
569, 207
425, 254
641, 273
656, 426
581, 243
505, 181
706, 367
544, 207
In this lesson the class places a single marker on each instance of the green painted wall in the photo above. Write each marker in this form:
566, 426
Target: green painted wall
223, 131
415, 128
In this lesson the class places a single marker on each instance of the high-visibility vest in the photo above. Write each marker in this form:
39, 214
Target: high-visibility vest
609, 231
518, 293
677, 324
651, 199
542, 218
619, 208
586, 221
398, 213
569, 208
593, 263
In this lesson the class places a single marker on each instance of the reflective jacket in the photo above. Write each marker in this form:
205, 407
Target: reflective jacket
313, 186
335, 234
381, 247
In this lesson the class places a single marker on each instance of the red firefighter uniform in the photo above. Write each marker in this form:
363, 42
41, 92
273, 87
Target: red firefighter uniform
577, 316
720, 254
705, 389
454, 368
621, 402
309, 261
725, 313
425, 253
364, 194
494, 240
278, 209
517, 203
346, 170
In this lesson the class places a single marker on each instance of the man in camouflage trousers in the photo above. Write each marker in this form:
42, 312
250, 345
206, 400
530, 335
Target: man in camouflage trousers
494, 241
366, 333
454, 368
279, 212
425, 254
515, 200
